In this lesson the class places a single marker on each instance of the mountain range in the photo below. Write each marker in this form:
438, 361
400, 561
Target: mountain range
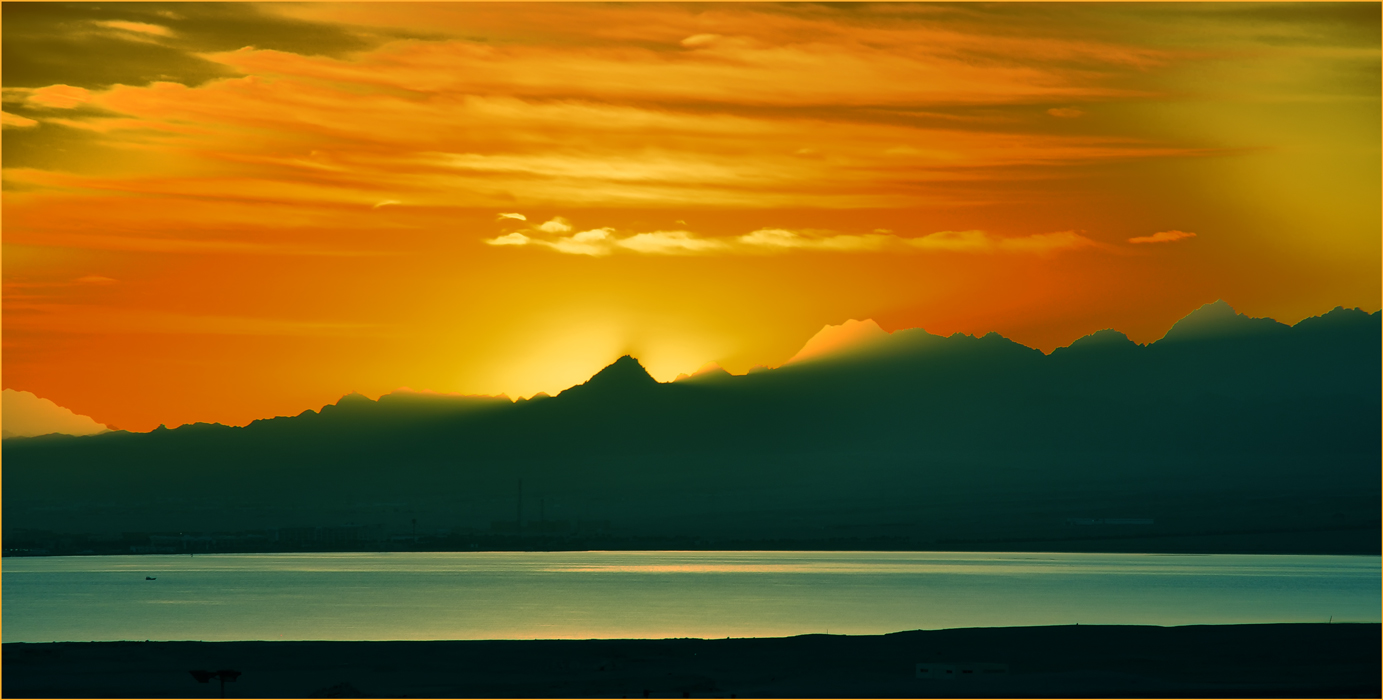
1230, 433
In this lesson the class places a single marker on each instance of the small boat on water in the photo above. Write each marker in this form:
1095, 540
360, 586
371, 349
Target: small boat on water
150, 578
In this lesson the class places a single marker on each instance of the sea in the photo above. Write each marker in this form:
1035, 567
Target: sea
657, 595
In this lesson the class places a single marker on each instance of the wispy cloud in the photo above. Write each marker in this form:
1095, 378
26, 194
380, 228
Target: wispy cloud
670, 243
14, 120
1046, 243
768, 241
515, 238
86, 319
143, 28
58, 96
181, 245
1162, 237
774, 109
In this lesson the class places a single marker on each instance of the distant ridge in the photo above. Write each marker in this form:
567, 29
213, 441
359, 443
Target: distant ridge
1103, 339
1249, 434
848, 337
711, 371
1219, 320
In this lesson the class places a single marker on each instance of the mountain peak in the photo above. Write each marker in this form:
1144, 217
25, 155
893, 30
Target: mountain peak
354, 397
708, 371
1219, 320
1215, 310
1103, 338
708, 367
624, 373
834, 340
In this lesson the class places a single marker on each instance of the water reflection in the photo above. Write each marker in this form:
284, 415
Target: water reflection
518, 595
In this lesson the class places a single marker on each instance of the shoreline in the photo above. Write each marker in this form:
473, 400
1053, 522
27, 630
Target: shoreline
1260, 660
1353, 540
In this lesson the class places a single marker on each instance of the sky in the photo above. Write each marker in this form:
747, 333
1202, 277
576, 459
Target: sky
225, 212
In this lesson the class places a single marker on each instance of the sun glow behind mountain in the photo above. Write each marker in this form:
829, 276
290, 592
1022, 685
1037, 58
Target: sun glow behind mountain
848, 336
243, 209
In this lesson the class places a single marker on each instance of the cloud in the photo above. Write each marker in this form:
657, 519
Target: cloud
135, 27
518, 217
385, 203
671, 243
983, 242
27, 415
605, 241
699, 40
1162, 237
777, 239
559, 139
955, 241
14, 120
556, 225
759, 54
595, 242
1046, 243
592, 242
603, 105
152, 244
96, 279
1065, 112
41, 316
510, 239
59, 96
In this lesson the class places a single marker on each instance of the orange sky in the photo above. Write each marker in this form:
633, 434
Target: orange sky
228, 212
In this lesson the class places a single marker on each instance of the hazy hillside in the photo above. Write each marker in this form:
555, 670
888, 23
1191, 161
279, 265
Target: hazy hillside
1230, 434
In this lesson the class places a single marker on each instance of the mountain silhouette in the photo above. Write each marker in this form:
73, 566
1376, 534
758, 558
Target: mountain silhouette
709, 372
833, 341
624, 377
1100, 341
1229, 434
1218, 320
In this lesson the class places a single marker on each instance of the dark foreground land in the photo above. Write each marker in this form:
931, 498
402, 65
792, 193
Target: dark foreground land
1296, 660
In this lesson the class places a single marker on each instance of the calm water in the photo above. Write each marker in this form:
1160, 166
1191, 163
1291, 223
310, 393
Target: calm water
487, 595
